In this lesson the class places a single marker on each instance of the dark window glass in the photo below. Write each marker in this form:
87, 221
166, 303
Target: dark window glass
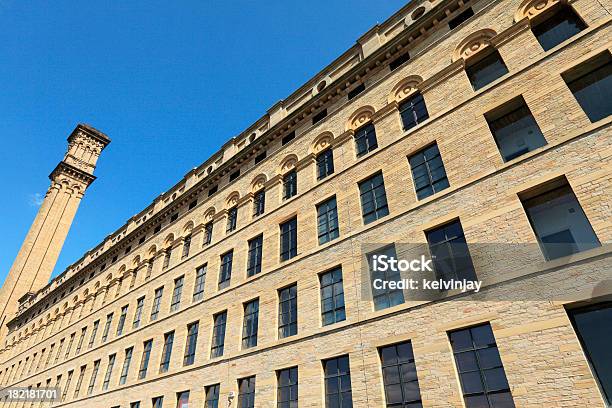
356, 91
260, 157
290, 184
79, 344
482, 375
218, 338
232, 218
373, 198
246, 392
200, 281
400, 376
460, 18
259, 203
399, 61
144, 361
158, 402
213, 190
92, 338
288, 239
287, 391
67, 385
325, 164
319, 116
287, 311
591, 84
450, 252
559, 222
413, 111
156, 303
109, 371
141, 240
558, 27
234, 175
79, 382
255, 255
365, 139
174, 217
193, 204
212, 396
138, 313
486, 70
182, 399
225, 273
166, 352
135, 404
250, 324
332, 297
167, 257
175, 302
338, 383
94, 375
592, 324
327, 221
385, 297
127, 360
288, 138
191, 343
208, 231
428, 172
157, 228
186, 247
515, 130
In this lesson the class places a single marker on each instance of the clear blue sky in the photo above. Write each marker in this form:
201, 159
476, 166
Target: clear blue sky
168, 81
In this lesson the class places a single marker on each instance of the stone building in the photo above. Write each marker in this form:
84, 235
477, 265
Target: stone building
454, 124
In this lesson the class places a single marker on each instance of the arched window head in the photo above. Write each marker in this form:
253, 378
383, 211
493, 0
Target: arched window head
473, 44
360, 117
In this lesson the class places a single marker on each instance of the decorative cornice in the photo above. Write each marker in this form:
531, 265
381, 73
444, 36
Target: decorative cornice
78, 174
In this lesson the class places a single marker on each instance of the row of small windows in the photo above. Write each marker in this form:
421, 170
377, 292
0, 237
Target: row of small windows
516, 132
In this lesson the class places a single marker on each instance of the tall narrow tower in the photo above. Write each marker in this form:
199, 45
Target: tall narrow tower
38, 255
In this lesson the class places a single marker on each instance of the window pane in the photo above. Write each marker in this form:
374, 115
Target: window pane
487, 70
563, 24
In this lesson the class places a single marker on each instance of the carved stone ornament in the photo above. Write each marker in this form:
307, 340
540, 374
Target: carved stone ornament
531, 8
473, 44
360, 117
404, 88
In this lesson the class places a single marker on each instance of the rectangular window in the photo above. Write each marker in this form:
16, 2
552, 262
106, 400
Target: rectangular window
174, 217
167, 257
255, 255
559, 26
259, 203
232, 218
79, 344
460, 18
109, 371
59, 351
246, 392
450, 252
107, 326
327, 221
287, 138
399, 61
122, 318
208, 231
212, 396
182, 399
373, 198
234, 175
365, 139
213, 190
144, 361
287, 312
413, 111
288, 239
325, 164
557, 219
94, 374
92, 338
225, 273
481, 373
175, 302
186, 247
319, 116
67, 385
138, 313
428, 172
287, 391
191, 344
385, 297
192, 205
592, 325
514, 129
400, 376
200, 281
591, 84
135, 404
250, 324
157, 402
337, 382
260, 157
166, 352
356, 91
70, 342
127, 360
156, 303
332, 297
289, 184
218, 339
79, 382
486, 70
